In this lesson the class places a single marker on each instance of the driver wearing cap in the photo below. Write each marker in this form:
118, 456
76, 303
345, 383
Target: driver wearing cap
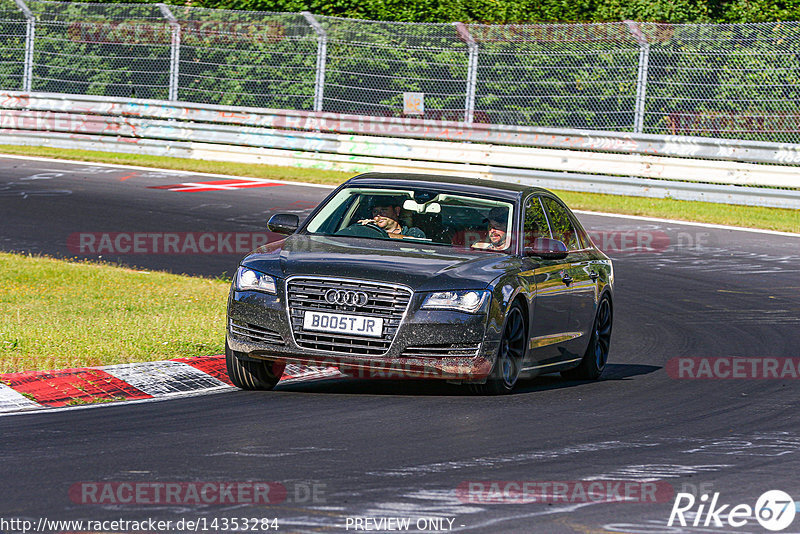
497, 230
386, 215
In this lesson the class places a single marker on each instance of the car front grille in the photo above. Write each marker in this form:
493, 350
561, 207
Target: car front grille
254, 333
441, 351
386, 301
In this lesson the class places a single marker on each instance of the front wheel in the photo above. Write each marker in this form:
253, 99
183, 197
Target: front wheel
252, 375
596, 355
508, 365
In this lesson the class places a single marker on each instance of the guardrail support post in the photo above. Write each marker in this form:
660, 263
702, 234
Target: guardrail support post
472, 70
322, 54
174, 53
30, 35
641, 78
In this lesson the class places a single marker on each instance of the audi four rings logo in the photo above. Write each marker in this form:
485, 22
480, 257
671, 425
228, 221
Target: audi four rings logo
351, 298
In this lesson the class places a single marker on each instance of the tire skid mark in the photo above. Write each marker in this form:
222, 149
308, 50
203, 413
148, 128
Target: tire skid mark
489, 461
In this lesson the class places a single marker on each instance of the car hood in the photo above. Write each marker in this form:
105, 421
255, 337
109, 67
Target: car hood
419, 266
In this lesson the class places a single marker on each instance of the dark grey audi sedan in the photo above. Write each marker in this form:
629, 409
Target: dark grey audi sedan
402, 275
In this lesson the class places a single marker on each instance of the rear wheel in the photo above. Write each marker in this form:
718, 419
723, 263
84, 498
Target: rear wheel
596, 356
248, 374
508, 365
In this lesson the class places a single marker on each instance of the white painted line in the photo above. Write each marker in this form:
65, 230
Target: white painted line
11, 400
689, 223
323, 186
172, 171
163, 378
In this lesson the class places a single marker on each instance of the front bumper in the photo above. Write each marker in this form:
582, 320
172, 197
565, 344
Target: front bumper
437, 344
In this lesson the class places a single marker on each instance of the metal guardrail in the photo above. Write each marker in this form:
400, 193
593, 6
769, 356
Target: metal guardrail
714, 80
604, 162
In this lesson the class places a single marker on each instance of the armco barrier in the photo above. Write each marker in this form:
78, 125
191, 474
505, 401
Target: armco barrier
605, 162
731, 81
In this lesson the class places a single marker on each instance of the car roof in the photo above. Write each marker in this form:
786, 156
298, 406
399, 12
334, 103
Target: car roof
454, 183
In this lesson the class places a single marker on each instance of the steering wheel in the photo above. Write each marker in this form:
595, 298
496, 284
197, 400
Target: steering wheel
369, 229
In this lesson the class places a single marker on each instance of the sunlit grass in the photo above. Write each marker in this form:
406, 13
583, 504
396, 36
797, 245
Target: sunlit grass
56, 314
783, 220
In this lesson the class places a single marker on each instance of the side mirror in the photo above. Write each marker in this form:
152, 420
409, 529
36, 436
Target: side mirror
283, 223
547, 249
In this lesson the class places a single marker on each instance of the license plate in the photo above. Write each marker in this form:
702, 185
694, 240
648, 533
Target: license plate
357, 325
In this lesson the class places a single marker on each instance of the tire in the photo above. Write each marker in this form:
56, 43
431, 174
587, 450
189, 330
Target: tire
251, 375
508, 364
596, 355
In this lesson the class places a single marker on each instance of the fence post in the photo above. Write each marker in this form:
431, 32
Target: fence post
30, 35
174, 53
472, 70
322, 54
641, 78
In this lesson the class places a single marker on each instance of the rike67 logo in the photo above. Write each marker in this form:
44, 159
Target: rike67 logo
774, 510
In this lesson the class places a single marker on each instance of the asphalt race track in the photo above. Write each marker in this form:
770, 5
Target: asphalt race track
352, 449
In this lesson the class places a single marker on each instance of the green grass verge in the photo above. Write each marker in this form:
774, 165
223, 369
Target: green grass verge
269, 172
745, 216
783, 220
56, 314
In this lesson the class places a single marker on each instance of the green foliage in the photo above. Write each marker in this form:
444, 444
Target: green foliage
112, 50
674, 11
246, 58
370, 65
518, 11
737, 81
578, 76
749, 92
12, 47
513, 11
535, 222
760, 11
562, 226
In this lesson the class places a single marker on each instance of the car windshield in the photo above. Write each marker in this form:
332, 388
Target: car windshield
436, 217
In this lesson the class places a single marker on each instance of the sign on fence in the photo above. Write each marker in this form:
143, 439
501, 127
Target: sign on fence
413, 103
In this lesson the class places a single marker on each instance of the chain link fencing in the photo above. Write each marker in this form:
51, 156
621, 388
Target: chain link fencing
13, 28
729, 81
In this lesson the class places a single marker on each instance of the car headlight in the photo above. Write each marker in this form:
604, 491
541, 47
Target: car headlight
248, 279
470, 301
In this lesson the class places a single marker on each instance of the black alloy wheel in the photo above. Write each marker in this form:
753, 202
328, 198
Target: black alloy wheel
508, 365
596, 356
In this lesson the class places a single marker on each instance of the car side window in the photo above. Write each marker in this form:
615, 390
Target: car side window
535, 222
562, 226
586, 242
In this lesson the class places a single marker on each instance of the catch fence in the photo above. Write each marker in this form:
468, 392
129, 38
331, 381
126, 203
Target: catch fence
737, 81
